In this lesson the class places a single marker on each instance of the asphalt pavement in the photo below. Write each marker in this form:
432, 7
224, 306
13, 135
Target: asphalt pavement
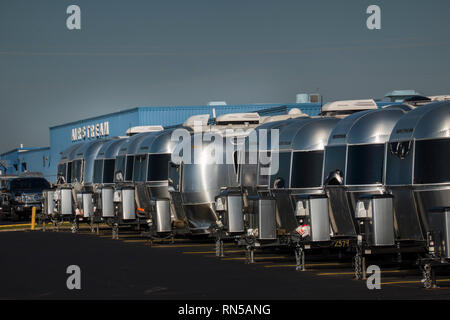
33, 265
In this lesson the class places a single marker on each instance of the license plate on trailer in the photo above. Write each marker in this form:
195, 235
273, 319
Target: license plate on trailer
341, 243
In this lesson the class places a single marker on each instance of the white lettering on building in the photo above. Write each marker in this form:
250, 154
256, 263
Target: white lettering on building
92, 131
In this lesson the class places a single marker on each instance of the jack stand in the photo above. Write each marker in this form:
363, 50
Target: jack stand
299, 259
250, 255
115, 231
92, 224
75, 226
360, 265
219, 248
429, 277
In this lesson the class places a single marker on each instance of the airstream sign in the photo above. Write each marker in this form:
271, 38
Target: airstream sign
96, 130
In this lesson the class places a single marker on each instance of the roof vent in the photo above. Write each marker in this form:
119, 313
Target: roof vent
140, 129
296, 111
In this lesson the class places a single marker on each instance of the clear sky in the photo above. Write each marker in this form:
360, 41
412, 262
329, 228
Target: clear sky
189, 52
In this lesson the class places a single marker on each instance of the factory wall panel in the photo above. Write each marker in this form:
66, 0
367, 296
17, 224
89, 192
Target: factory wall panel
168, 116
37, 161
10, 162
61, 136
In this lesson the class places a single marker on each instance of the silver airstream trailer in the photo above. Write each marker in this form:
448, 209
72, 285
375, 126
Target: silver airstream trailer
302, 205
418, 177
103, 180
58, 203
361, 212
130, 167
212, 166
271, 213
82, 182
152, 188
246, 210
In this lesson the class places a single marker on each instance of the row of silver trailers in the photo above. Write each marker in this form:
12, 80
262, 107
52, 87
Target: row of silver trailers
356, 178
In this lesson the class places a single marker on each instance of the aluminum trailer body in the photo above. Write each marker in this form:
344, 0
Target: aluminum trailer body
128, 168
166, 216
418, 177
103, 179
362, 212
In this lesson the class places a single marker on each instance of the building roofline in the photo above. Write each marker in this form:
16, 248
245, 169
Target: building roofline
95, 117
180, 106
26, 149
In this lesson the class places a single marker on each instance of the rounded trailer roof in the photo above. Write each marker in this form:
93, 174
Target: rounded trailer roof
144, 144
280, 125
311, 135
132, 143
89, 149
366, 127
110, 149
163, 143
69, 153
430, 121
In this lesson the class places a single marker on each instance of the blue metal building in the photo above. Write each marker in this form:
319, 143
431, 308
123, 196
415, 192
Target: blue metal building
45, 159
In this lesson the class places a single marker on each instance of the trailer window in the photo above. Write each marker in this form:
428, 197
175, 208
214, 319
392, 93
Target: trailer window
307, 169
140, 167
119, 166
98, 168
62, 171
69, 172
158, 167
365, 164
108, 170
432, 158
280, 178
129, 168
77, 167
334, 160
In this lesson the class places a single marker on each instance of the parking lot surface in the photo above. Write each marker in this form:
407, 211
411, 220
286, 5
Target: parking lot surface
33, 266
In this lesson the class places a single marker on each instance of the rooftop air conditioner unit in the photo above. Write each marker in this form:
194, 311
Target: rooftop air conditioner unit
139, 129
250, 117
349, 105
440, 98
